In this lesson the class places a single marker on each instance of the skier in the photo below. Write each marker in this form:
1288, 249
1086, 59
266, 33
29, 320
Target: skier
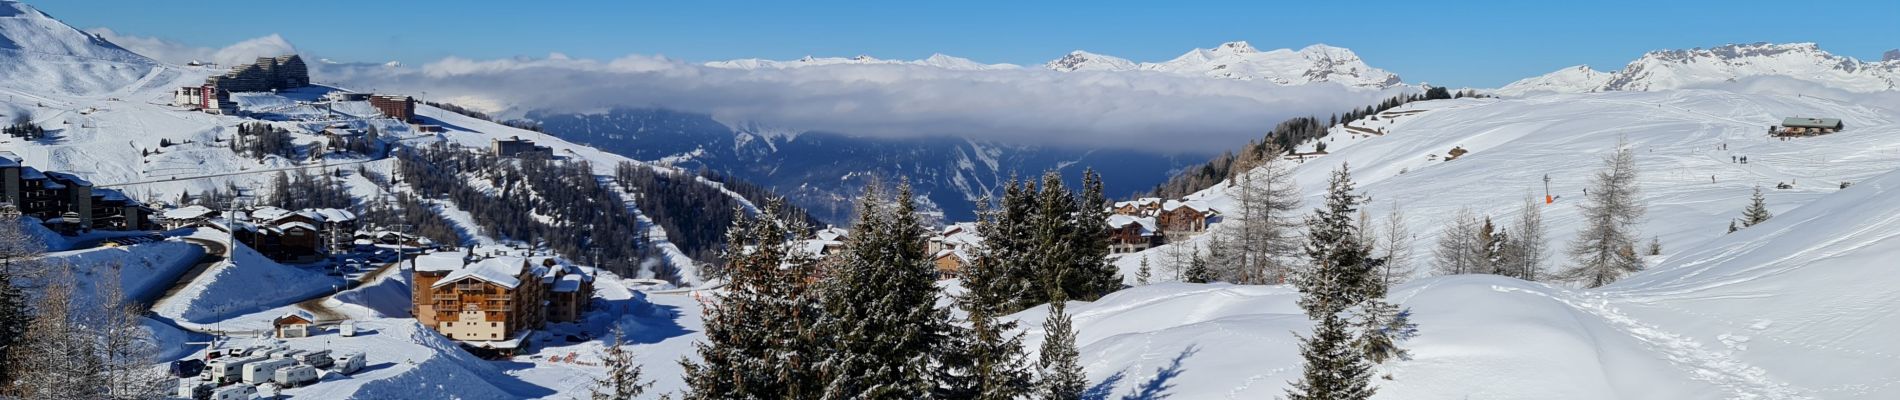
1731, 159
1711, 178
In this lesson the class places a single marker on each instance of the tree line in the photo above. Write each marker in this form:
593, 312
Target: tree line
871, 328
694, 214
1284, 137
560, 205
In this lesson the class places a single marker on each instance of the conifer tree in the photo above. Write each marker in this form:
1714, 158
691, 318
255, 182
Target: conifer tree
760, 339
1094, 276
1341, 277
1197, 271
1606, 249
623, 381
1757, 211
1062, 377
17, 248
1143, 274
988, 360
881, 324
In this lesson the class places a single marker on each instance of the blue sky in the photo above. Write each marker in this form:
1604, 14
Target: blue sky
1463, 44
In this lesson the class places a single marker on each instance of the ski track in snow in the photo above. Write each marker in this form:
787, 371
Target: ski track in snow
1743, 380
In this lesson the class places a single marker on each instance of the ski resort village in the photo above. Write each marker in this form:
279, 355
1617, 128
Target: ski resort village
340, 219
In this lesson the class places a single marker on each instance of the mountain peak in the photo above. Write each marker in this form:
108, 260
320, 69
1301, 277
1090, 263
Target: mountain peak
1085, 61
1673, 69
1890, 55
1236, 47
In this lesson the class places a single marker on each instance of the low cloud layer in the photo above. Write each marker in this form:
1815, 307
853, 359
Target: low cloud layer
1137, 110
180, 53
1140, 110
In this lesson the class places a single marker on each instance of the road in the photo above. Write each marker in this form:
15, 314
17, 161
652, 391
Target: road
328, 315
214, 253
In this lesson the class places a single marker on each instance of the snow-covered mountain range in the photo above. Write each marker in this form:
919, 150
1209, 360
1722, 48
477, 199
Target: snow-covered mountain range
1232, 60
1675, 69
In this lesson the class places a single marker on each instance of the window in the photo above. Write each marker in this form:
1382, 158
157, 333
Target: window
494, 336
494, 324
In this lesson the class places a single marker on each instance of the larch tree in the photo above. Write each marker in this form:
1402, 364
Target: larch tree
760, 332
1462, 246
58, 357
1606, 248
1265, 224
1524, 257
1394, 243
125, 346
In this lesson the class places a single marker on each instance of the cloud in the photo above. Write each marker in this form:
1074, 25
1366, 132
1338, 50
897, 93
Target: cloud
180, 53
1131, 109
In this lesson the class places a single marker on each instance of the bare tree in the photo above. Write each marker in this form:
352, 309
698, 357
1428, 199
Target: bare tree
1606, 249
1266, 242
1394, 243
18, 248
56, 359
125, 346
1524, 256
1461, 247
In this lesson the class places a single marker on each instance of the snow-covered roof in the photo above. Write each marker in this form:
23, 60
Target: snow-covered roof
1197, 205
74, 179
336, 215
1145, 201
269, 213
569, 283
297, 224
188, 212
959, 254
305, 315
440, 261
32, 173
1119, 221
8, 159
833, 233
504, 271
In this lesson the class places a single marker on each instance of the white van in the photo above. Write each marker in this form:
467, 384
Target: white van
349, 364
263, 371
235, 392
296, 376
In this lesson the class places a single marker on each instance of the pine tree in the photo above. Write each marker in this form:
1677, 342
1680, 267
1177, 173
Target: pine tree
1655, 246
1341, 277
1197, 271
1062, 377
623, 380
988, 361
1757, 211
760, 333
881, 323
1731, 226
1094, 276
1606, 249
18, 250
1142, 275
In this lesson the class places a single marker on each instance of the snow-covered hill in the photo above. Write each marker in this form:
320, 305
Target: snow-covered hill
1674, 69
41, 54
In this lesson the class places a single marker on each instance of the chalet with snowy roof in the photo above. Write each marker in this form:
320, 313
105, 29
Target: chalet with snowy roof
958, 236
1183, 219
187, 216
1799, 126
1128, 234
293, 325
950, 263
1146, 206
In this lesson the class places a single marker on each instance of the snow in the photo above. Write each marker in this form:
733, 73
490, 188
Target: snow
1232, 60
246, 283
1676, 69
503, 271
144, 270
